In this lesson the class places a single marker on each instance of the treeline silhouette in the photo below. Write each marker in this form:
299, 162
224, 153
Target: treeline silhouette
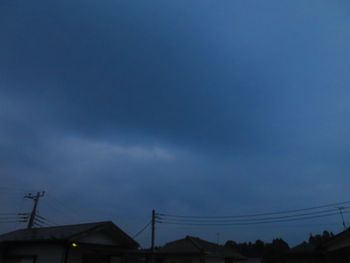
269, 252
319, 240
272, 252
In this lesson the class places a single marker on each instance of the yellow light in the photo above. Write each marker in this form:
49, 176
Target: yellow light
74, 244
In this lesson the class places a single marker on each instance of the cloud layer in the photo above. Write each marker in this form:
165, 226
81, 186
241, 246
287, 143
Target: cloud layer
225, 107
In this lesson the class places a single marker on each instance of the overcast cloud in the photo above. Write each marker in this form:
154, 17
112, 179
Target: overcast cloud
188, 107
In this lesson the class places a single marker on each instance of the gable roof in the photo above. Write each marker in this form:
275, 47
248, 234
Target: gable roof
195, 245
68, 233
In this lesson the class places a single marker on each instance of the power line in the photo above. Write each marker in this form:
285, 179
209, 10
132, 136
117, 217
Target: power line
249, 219
169, 222
40, 221
13, 216
17, 218
258, 214
39, 217
19, 209
142, 230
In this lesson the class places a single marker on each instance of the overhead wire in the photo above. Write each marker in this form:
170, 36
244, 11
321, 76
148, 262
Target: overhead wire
249, 219
257, 214
48, 221
307, 213
169, 222
142, 230
13, 216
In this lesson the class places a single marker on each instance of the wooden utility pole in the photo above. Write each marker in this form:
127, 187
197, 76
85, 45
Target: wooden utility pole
342, 217
35, 198
153, 225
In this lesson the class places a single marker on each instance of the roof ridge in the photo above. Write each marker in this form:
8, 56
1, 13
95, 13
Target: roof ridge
55, 227
73, 225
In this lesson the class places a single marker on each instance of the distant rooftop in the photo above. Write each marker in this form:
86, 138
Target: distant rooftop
195, 245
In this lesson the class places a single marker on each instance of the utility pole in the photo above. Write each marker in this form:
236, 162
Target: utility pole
342, 216
35, 199
153, 223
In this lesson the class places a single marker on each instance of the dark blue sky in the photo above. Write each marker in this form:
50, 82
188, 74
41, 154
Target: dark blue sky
189, 107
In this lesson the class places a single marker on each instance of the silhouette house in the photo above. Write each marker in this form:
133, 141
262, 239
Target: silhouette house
87, 243
196, 250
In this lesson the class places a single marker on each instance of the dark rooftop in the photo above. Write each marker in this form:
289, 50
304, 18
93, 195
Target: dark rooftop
66, 233
195, 245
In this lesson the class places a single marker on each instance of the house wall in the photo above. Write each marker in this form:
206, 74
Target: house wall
20, 261
45, 253
98, 238
214, 260
48, 253
192, 260
75, 255
305, 259
181, 260
253, 260
301, 261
